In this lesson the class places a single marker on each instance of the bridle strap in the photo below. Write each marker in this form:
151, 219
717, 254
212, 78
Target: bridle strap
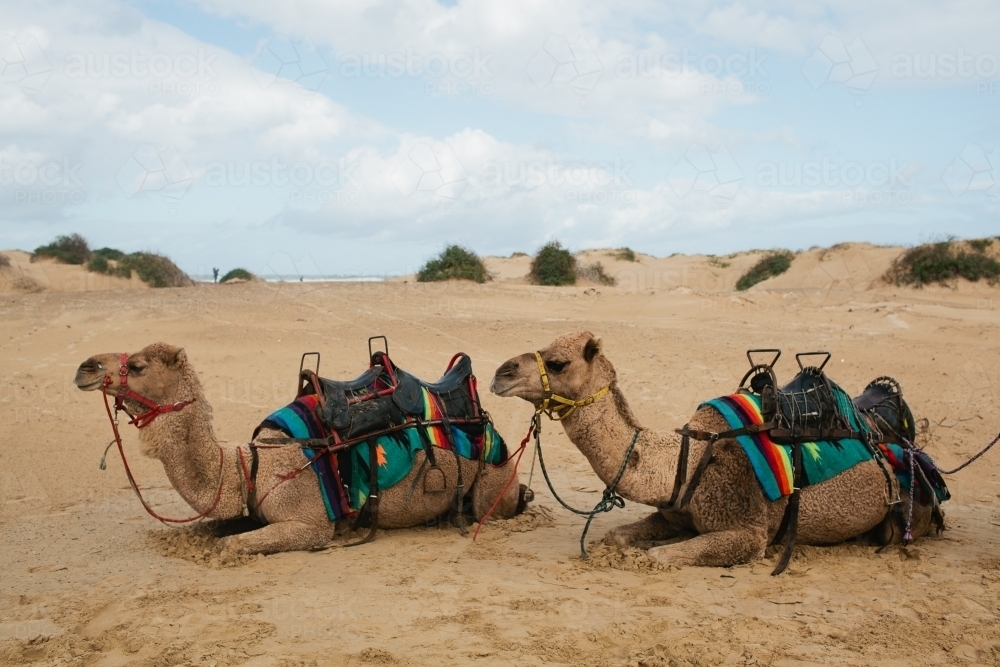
155, 409
559, 407
142, 421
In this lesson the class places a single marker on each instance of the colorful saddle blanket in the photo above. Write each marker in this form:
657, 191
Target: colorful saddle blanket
772, 462
344, 475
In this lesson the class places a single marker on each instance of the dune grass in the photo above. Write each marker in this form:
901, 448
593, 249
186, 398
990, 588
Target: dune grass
772, 264
942, 261
595, 273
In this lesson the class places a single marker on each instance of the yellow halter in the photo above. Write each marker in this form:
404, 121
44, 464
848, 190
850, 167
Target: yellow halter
566, 406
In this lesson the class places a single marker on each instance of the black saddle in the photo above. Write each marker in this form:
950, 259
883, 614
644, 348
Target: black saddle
385, 395
882, 400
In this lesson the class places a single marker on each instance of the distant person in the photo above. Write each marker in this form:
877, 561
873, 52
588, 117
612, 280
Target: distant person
215, 275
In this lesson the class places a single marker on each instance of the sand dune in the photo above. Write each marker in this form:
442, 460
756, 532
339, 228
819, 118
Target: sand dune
24, 276
88, 578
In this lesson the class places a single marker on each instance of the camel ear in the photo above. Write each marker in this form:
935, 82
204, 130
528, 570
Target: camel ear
592, 349
179, 358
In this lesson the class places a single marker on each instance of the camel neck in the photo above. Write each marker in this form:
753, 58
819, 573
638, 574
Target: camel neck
185, 444
603, 434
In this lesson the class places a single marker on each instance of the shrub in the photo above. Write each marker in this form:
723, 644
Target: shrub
980, 245
553, 265
4, 261
238, 274
718, 263
72, 249
772, 264
595, 273
155, 270
109, 253
624, 254
940, 262
454, 263
518, 254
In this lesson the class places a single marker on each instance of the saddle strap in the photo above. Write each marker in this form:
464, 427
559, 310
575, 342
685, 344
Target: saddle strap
371, 504
791, 519
681, 476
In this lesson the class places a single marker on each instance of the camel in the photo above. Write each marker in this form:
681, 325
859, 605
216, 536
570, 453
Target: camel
728, 519
294, 512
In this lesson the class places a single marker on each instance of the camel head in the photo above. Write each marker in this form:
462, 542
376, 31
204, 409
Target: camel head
574, 364
158, 372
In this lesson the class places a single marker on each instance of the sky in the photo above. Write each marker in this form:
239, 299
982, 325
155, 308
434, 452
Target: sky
360, 138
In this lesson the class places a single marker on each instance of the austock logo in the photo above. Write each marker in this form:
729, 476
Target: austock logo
835, 61
149, 170
558, 62
433, 170
23, 64
294, 60
713, 172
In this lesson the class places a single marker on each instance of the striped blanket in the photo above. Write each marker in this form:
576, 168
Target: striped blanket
344, 476
772, 462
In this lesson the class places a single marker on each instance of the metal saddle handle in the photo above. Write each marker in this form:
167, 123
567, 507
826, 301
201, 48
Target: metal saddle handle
798, 358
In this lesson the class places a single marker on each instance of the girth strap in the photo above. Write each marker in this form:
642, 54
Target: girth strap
681, 476
371, 505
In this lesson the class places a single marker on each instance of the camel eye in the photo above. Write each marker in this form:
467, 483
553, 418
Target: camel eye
556, 366
136, 368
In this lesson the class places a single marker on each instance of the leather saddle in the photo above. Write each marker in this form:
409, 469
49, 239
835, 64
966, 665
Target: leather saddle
386, 395
882, 400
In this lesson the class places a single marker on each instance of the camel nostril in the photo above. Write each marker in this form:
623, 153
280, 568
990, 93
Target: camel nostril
89, 366
507, 368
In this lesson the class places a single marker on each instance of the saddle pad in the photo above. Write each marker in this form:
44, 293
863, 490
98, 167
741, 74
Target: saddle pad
900, 463
772, 462
344, 476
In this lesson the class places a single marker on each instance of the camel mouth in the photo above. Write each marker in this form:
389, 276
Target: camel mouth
89, 386
500, 389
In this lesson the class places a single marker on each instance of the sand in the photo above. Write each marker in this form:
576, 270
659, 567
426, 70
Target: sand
89, 579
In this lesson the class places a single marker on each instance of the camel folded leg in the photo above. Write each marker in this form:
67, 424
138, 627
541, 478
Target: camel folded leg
281, 536
721, 549
653, 528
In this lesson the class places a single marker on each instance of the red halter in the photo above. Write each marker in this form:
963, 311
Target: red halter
155, 409
142, 421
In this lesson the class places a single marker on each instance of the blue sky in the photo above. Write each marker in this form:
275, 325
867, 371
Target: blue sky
313, 137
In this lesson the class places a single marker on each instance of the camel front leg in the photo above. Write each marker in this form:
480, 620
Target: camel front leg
281, 536
721, 549
651, 529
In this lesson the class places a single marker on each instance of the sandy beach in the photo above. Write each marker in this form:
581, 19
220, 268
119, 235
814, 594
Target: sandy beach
89, 579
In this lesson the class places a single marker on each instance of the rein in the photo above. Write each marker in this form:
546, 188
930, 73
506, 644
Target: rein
566, 406
142, 421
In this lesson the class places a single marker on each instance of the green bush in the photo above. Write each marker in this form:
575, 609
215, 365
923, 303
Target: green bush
595, 273
624, 254
4, 261
940, 262
454, 263
553, 265
980, 245
109, 253
772, 264
238, 274
72, 249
